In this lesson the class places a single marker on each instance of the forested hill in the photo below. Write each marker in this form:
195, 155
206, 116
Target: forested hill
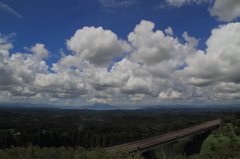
79, 131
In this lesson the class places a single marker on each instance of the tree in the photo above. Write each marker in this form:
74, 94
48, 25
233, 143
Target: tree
236, 115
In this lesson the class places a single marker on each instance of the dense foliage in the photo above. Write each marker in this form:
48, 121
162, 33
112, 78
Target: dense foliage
87, 138
69, 128
34, 152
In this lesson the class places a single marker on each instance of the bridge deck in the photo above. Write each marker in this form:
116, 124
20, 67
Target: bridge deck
161, 139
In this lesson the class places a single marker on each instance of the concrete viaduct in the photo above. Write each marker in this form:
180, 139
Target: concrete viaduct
166, 140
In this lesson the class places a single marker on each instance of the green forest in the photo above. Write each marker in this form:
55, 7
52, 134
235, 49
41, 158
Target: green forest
72, 133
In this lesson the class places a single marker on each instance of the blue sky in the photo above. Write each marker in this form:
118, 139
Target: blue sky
120, 52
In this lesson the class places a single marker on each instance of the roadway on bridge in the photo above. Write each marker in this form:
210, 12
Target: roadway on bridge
161, 139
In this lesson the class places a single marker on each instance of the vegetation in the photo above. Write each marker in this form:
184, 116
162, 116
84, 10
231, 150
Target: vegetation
34, 152
57, 133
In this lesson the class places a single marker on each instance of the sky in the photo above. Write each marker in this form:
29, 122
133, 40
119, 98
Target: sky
120, 52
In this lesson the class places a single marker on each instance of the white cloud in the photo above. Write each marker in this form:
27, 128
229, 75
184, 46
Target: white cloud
18, 73
226, 10
137, 97
117, 3
170, 95
160, 68
150, 47
19, 70
114, 5
96, 45
221, 61
61, 85
98, 100
191, 40
169, 31
119, 75
6, 46
5, 38
9, 10
160, 6
137, 86
179, 3
40, 51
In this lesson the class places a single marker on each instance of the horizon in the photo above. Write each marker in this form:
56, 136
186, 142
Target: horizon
100, 106
120, 52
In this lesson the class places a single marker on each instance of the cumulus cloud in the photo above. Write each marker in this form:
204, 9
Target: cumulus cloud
169, 31
96, 45
40, 51
137, 86
9, 10
157, 68
226, 10
219, 63
170, 95
191, 40
150, 47
117, 77
18, 71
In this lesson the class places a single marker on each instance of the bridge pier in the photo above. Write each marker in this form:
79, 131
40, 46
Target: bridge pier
168, 150
190, 139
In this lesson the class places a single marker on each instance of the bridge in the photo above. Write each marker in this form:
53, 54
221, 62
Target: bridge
166, 140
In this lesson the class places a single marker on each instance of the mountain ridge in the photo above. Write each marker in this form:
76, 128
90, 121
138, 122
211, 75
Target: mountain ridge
101, 106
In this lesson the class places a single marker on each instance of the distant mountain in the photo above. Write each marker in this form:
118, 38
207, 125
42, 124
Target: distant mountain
29, 105
222, 106
100, 106
191, 106
96, 106
170, 106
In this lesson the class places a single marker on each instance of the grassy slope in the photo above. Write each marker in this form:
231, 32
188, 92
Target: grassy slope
221, 143
237, 138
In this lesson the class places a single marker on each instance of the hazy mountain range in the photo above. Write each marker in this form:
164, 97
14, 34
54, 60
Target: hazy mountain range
100, 106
